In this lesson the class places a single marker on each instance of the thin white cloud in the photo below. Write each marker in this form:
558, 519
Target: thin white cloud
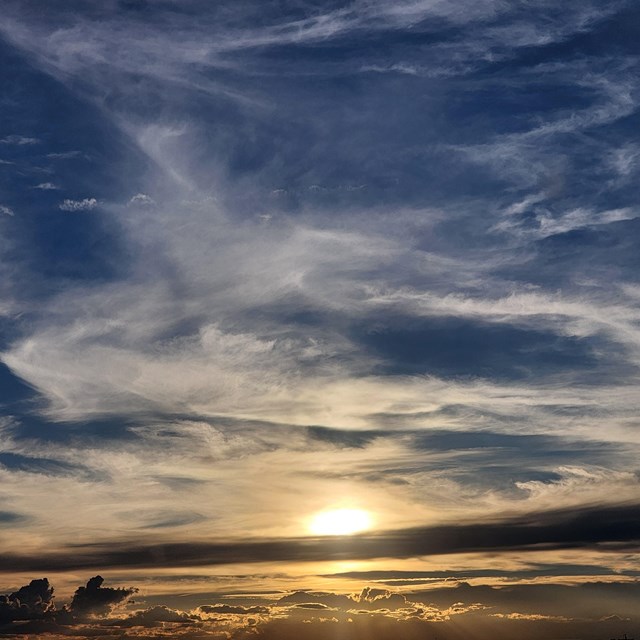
549, 224
580, 218
18, 140
624, 160
46, 186
6, 210
79, 49
64, 155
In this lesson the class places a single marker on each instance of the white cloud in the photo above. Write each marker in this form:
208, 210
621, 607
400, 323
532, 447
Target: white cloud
142, 199
581, 485
580, 218
64, 155
624, 160
46, 186
19, 141
6, 210
86, 204
549, 224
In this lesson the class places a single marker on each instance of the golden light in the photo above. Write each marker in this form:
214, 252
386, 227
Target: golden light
340, 522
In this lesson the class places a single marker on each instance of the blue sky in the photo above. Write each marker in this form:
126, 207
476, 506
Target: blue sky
261, 261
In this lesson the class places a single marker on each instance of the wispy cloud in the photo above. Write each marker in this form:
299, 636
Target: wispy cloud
46, 186
373, 255
18, 140
64, 155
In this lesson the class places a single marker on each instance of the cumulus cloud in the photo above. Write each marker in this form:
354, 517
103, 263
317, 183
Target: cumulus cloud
32, 601
530, 608
86, 204
6, 210
96, 599
142, 199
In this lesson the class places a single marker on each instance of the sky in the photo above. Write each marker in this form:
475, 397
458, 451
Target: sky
319, 318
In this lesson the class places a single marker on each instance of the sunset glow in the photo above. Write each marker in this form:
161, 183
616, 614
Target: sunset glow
340, 522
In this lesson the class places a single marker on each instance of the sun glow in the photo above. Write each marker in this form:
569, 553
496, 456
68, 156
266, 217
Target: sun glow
340, 522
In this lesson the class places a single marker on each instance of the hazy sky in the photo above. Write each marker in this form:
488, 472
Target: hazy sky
276, 270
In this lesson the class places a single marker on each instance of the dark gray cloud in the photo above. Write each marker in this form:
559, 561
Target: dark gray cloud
8, 518
32, 601
325, 599
398, 578
588, 600
153, 617
32, 610
96, 599
598, 527
344, 437
532, 610
222, 609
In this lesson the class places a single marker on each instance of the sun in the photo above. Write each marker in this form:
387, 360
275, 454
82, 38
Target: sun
340, 522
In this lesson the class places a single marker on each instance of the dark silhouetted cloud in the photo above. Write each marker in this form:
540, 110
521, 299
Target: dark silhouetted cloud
96, 599
32, 601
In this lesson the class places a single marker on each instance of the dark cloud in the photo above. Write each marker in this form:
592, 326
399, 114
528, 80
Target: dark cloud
322, 598
535, 571
369, 599
591, 600
460, 611
227, 609
344, 437
9, 518
96, 599
32, 601
528, 610
179, 483
595, 527
154, 617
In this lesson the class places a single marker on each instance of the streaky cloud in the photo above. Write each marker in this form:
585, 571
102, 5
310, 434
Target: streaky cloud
598, 527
